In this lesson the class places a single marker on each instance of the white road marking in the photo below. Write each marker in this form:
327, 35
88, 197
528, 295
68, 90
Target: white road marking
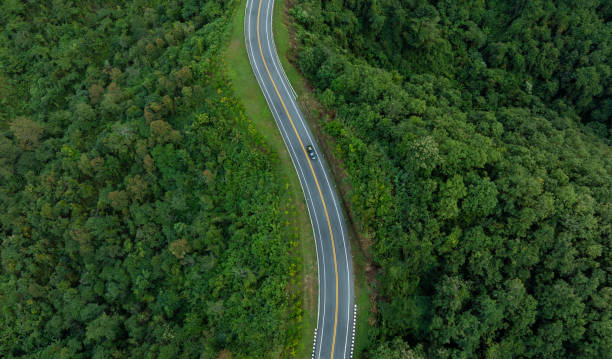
287, 142
290, 146
340, 222
275, 54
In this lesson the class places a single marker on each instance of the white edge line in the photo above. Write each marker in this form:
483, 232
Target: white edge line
340, 221
274, 61
275, 54
279, 124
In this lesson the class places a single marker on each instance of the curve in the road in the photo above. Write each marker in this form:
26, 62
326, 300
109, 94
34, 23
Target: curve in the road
340, 323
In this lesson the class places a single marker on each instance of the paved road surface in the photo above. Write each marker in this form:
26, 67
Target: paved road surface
335, 320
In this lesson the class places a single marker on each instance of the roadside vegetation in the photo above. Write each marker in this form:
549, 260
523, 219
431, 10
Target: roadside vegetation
142, 213
304, 285
476, 141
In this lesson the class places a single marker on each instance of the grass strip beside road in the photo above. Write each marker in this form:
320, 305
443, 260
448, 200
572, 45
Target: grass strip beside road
247, 89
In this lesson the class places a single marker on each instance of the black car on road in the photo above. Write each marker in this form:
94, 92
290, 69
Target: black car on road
311, 152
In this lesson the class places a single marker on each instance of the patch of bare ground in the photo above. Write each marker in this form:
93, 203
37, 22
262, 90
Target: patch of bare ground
225, 354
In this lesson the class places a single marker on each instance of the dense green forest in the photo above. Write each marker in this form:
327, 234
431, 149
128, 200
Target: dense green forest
141, 214
476, 139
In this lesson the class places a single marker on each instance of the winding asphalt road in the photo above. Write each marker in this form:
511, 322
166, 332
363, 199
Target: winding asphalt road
336, 311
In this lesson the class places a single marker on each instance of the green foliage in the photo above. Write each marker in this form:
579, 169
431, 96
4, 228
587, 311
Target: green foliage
461, 126
142, 214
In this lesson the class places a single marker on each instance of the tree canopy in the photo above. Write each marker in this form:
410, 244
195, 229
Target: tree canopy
476, 140
142, 215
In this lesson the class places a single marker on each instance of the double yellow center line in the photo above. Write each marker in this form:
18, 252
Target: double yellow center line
313, 175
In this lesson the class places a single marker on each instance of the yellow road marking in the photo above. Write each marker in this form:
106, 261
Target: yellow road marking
313, 174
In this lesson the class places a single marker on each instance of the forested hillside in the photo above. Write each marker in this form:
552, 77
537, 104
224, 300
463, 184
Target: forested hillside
141, 215
476, 140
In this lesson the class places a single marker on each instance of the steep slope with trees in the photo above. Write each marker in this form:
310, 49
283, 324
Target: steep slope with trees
476, 139
142, 214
